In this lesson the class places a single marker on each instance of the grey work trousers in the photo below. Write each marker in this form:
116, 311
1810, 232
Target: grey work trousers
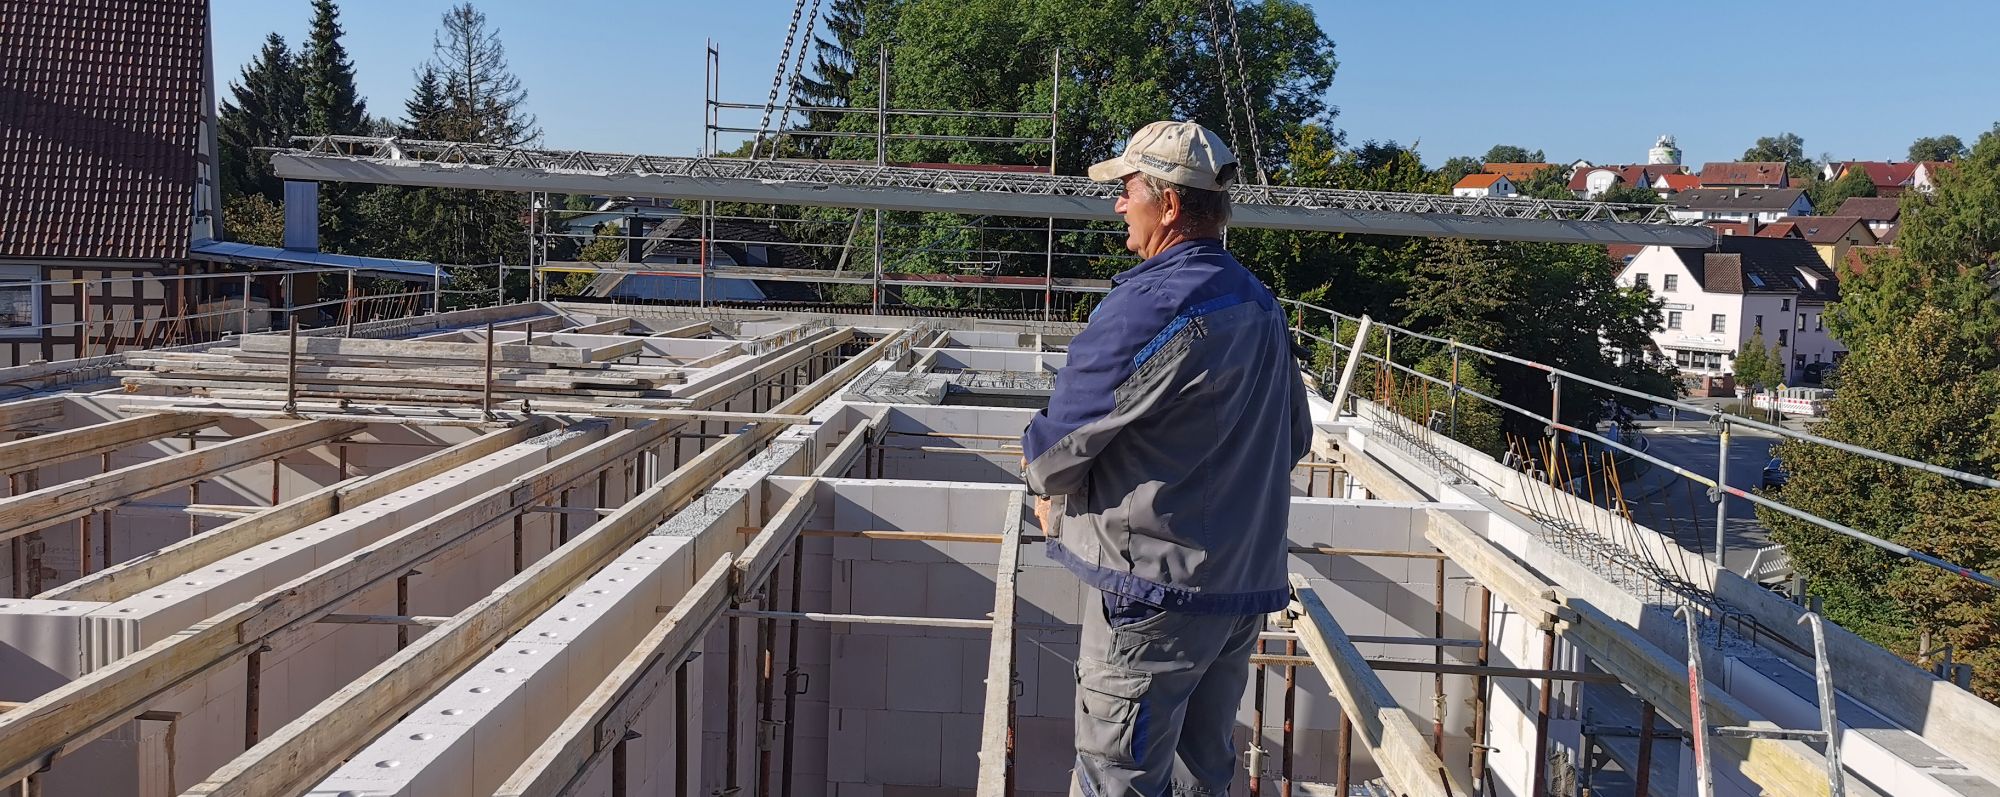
1156, 703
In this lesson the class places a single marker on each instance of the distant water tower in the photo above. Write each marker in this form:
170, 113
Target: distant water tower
1664, 153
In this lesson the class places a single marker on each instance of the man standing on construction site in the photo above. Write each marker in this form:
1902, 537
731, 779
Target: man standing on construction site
1164, 462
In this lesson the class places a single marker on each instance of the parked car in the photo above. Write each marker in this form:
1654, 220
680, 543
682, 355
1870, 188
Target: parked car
1775, 474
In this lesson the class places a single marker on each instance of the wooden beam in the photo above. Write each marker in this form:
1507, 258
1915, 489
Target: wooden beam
132, 577
416, 349
996, 733
609, 326
1407, 762
85, 441
305, 750
694, 330
565, 760
16, 414
773, 541
391, 556
71, 500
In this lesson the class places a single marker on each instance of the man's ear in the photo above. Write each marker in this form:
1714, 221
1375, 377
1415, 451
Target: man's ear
1170, 209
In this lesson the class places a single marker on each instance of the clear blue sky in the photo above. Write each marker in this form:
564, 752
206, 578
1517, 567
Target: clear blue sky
1577, 78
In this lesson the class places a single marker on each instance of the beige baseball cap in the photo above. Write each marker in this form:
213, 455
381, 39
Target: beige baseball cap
1183, 153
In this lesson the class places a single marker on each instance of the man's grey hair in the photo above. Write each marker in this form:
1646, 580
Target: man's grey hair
1202, 212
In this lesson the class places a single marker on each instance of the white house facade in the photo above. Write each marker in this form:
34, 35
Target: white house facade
1764, 205
1717, 299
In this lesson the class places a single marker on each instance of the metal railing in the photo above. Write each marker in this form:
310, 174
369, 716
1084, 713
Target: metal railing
1719, 490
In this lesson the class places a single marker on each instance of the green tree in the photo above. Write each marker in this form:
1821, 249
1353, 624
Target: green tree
1508, 153
1630, 195
1787, 148
1946, 147
332, 107
253, 219
1758, 366
1456, 169
1947, 256
1827, 195
1547, 183
266, 107
487, 103
1928, 392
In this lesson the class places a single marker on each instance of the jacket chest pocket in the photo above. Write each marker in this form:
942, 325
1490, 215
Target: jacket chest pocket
1109, 701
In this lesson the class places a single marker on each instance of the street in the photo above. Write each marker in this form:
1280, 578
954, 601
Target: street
1673, 505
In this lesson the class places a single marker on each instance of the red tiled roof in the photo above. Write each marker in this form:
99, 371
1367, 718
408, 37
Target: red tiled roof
100, 106
1832, 229
1780, 229
1744, 174
1728, 227
1479, 180
1884, 174
1871, 208
1858, 257
1518, 172
1681, 182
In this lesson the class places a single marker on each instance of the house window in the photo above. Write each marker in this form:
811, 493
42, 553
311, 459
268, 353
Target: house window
1819, 322
20, 301
1802, 322
1671, 282
1673, 319
1781, 338
1717, 322
1785, 305
1758, 325
1639, 281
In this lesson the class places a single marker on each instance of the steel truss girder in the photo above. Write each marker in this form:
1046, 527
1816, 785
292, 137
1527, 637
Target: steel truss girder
477, 166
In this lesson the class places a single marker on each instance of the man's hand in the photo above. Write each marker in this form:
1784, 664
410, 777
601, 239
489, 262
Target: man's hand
1042, 508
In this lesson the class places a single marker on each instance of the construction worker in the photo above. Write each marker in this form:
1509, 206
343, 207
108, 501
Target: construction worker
1163, 464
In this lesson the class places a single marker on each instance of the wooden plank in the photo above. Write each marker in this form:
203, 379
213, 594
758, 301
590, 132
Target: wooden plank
415, 349
306, 749
773, 541
16, 414
391, 556
1407, 762
564, 760
609, 326
84, 441
132, 577
694, 330
996, 735
1521, 589
75, 713
71, 500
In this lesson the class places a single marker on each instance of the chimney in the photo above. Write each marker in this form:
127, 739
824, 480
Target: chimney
1736, 192
301, 216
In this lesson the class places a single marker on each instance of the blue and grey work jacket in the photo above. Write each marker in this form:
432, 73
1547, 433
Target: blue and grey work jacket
1172, 435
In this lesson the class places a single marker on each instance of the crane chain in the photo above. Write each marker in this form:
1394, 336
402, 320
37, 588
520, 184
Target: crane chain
778, 80
1243, 82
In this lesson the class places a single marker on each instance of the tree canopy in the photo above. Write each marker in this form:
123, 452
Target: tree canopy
1923, 381
1508, 153
1946, 147
1787, 148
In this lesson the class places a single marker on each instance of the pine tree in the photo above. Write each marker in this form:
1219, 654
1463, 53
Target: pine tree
267, 106
487, 102
832, 73
425, 112
332, 105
